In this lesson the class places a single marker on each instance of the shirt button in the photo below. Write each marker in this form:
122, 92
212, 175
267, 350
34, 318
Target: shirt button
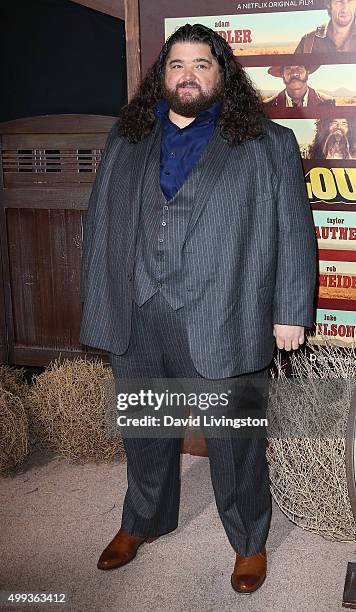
159, 285
160, 239
166, 172
165, 207
173, 154
164, 223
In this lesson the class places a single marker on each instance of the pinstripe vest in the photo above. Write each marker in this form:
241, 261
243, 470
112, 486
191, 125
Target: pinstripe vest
161, 232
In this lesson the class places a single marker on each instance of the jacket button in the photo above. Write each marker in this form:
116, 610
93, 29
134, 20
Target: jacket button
129, 277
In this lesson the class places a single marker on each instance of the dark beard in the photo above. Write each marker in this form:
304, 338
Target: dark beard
191, 107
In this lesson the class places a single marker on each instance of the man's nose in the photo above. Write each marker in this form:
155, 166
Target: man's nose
189, 73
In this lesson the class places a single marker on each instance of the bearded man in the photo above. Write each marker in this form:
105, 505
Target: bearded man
198, 256
338, 35
333, 139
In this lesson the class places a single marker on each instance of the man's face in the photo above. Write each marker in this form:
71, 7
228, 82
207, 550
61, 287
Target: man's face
339, 127
342, 12
192, 79
295, 78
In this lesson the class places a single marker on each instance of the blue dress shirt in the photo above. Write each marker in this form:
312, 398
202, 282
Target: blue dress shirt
181, 147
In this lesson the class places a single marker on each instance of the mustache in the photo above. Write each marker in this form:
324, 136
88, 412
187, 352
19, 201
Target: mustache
296, 78
188, 84
337, 131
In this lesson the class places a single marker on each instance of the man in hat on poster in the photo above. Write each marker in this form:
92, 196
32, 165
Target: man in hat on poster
339, 34
198, 258
297, 92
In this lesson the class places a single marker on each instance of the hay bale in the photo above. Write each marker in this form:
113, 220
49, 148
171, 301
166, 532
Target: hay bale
13, 380
13, 431
68, 410
306, 453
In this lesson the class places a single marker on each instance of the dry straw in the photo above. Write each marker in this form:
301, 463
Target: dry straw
306, 454
68, 410
12, 380
13, 431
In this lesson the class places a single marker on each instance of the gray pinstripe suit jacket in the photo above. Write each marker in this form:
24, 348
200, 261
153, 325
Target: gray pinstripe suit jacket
249, 255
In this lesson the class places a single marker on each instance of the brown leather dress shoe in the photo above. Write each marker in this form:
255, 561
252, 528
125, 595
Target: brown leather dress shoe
249, 572
121, 550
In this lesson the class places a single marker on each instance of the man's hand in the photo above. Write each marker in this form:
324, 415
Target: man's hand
288, 337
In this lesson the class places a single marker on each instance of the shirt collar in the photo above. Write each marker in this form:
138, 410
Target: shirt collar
290, 100
161, 109
322, 30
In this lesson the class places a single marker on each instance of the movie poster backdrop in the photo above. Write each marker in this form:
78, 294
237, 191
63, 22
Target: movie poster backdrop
301, 56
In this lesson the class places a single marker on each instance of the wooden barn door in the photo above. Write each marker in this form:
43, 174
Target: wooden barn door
3, 329
48, 167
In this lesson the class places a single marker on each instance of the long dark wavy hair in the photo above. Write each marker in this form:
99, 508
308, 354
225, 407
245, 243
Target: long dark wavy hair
242, 113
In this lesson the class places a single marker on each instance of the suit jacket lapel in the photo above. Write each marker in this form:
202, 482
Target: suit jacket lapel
215, 157
140, 153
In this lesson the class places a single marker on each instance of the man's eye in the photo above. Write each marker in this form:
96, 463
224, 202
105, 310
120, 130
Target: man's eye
201, 66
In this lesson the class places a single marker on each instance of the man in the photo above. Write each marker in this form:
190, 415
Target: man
333, 140
199, 253
339, 34
297, 92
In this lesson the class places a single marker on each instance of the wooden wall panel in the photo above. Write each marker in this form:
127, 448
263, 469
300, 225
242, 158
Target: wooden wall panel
3, 327
133, 51
3, 340
115, 8
45, 276
42, 231
3, 281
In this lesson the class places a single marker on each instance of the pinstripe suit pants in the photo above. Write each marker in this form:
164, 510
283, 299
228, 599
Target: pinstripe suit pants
159, 348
